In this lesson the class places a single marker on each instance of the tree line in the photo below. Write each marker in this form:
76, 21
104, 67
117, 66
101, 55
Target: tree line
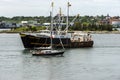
81, 23
91, 27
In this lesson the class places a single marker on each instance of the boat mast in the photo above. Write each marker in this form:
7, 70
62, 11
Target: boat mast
59, 15
67, 23
51, 24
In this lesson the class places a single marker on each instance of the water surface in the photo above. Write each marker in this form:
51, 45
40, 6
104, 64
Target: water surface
101, 62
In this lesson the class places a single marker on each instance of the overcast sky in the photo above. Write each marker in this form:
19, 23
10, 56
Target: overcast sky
10, 8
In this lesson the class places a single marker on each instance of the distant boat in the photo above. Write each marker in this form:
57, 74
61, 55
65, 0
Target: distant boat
49, 50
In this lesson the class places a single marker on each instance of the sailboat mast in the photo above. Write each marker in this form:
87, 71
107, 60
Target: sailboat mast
51, 24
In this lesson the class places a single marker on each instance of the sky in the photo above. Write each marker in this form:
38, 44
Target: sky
11, 8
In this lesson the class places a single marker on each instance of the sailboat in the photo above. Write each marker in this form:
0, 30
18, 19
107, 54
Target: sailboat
50, 51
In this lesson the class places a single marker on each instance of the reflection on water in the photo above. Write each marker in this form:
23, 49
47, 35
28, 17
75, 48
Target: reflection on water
101, 62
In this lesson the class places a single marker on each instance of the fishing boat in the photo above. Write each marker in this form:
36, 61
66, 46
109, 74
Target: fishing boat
69, 39
49, 50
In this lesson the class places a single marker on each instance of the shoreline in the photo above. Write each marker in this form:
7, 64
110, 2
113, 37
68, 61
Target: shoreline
103, 32
91, 32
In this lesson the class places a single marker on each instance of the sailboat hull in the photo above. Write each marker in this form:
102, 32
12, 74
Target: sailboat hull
39, 53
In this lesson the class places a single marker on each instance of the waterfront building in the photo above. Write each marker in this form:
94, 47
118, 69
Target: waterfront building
30, 23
